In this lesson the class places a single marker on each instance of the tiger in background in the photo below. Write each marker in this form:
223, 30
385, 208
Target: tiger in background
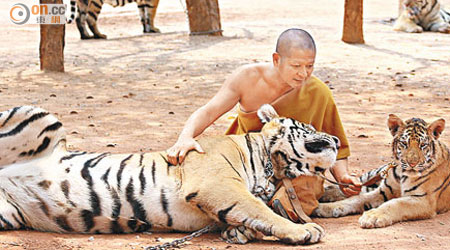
89, 10
45, 187
417, 182
422, 15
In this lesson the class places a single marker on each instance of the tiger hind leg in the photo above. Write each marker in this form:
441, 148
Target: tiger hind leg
92, 16
27, 133
442, 27
80, 20
81, 25
11, 218
147, 11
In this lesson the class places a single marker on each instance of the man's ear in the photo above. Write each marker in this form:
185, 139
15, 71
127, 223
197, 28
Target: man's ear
266, 113
276, 59
394, 124
435, 129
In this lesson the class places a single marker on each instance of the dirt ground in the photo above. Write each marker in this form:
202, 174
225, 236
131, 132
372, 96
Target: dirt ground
133, 92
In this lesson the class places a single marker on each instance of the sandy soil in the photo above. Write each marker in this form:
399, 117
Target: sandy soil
133, 92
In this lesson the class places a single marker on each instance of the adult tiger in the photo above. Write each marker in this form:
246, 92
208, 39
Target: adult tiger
88, 10
45, 187
417, 183
419, 15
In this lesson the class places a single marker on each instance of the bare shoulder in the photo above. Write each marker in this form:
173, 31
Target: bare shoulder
249, 74
252, 70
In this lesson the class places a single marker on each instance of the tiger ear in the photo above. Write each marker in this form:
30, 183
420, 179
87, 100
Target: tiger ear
266, 113
435, 129
394, 124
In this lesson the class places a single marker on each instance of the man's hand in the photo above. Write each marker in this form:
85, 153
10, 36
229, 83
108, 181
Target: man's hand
355, 185
340, 173
177, 152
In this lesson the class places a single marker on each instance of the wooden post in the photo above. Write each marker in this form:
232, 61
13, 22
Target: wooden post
353, 22
204, 17
51, 46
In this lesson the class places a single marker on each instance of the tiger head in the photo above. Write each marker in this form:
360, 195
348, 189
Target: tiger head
294, 147
415, 143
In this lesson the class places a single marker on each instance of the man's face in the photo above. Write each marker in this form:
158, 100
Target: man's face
296, 66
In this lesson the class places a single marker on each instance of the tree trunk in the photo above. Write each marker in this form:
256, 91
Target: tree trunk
204, 17
353, 22
51, 46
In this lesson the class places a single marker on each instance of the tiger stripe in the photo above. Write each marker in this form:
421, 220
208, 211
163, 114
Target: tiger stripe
122, 166
165, 207
23, 124
138, 210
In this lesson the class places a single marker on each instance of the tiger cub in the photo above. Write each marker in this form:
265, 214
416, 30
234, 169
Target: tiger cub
417, 182
45, 187
89, 10
422, 15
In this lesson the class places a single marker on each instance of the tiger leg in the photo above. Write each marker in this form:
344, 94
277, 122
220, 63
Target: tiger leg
396, 210
27, 133
246, 210
332, 193
81, 19
442, 27
388, 189
11, 217
94, 9
405, 24
152, 15
147, 11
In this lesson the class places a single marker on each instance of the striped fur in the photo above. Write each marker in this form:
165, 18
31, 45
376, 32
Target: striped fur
423, 15
89, 11
416, 188
45, 187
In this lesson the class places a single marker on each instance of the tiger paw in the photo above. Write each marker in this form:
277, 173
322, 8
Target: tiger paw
328, 211
445, 28
307, 233
148, 29
415, 29
100, 36
154, 30
375, 218
238, 235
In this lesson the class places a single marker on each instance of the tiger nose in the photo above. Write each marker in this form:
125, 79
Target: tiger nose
413, 161
412, 157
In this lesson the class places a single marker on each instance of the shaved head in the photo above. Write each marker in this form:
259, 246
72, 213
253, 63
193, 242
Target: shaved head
294, 39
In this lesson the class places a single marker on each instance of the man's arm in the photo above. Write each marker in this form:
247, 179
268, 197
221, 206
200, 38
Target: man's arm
340, 173
224, 100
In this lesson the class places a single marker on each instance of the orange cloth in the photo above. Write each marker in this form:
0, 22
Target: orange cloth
313, 103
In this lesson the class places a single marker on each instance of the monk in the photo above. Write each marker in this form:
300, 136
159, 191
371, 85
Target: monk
289, 86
